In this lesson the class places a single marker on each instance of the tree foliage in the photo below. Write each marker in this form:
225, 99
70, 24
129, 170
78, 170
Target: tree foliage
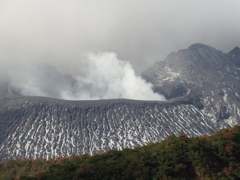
204, 157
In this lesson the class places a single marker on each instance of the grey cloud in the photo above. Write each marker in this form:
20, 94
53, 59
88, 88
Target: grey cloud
139, 31
106, 77
59, 32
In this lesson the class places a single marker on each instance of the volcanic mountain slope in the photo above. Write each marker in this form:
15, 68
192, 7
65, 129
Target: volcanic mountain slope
43, 127
201, 83
211, 76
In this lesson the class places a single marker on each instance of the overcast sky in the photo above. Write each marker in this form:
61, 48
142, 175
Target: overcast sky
139, 31
89, 38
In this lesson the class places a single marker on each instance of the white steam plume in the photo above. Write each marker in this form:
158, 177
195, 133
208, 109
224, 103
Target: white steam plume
105, 77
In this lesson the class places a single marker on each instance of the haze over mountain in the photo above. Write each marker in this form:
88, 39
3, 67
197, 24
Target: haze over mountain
200, 83
104, 77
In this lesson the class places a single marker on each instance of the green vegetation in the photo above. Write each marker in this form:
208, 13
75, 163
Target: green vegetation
205, 157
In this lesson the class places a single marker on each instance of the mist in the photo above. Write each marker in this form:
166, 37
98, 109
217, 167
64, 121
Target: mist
68, 34
104, 77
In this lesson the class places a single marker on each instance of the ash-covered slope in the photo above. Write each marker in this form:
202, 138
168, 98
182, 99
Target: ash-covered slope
211, 76
43, 127
201, 83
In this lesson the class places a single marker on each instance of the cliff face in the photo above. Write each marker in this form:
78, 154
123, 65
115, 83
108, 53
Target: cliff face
201, 83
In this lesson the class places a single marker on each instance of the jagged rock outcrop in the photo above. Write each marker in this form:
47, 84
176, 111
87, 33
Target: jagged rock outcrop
211, 76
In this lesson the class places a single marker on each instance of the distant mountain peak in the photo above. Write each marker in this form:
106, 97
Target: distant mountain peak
236, 51
198, 66
199, 46
237, 48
